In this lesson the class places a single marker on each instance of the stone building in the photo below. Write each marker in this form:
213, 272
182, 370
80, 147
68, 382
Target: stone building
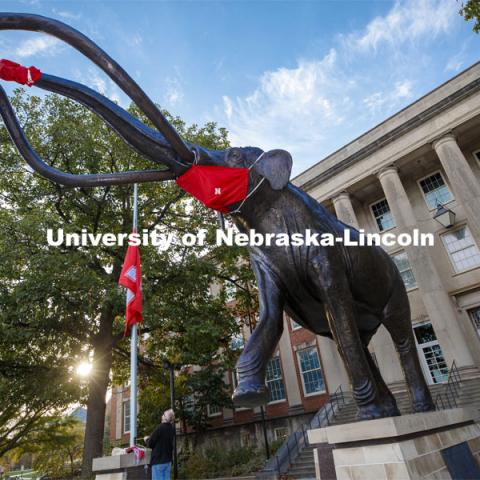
392, 178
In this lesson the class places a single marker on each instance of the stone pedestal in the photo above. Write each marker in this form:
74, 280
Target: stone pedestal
122, 467
433, 445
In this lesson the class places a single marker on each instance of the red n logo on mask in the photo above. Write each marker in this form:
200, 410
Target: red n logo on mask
215, 187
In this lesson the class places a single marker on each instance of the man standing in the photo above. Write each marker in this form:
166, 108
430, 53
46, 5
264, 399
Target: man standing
161, 443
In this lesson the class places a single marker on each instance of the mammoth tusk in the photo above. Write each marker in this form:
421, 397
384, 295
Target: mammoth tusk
69, 179
22, 21
142, 138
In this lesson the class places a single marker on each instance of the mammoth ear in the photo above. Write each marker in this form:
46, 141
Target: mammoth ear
275, 166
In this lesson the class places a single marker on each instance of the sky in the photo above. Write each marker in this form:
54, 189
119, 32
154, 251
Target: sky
304, 76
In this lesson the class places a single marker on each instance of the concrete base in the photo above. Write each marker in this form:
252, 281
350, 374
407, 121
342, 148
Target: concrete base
122, 467
432, 445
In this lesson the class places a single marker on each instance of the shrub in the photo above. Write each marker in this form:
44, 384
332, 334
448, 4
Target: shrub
218, 462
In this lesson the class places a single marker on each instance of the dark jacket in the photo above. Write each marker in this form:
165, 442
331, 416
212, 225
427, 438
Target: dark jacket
161, 443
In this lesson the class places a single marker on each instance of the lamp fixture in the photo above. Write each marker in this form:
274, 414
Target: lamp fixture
444, 216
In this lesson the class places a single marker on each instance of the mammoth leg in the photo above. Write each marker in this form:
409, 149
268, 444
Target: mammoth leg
397, 322
333, 284
251, 390
386, 397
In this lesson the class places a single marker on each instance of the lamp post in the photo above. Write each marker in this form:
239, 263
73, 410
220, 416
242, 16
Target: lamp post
172, 367
264, 428
444, 216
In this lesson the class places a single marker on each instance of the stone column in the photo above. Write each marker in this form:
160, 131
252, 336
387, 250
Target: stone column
381, 344
463, 181
344, 209
335, 373
290, 379
439, 305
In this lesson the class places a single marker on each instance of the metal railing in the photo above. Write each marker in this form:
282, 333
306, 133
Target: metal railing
448, 398
293, 446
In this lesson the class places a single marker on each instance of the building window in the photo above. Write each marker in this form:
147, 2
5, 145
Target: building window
295, 325
312, 378
126, 416
435, 190
280, 433
214, 410
230, 291
237, 342
383, 215
403, 265
274, 380
188, 403
431, 356
476, 154
474, 314
462, 249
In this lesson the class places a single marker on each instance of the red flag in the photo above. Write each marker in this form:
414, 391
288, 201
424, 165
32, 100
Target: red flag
131, 278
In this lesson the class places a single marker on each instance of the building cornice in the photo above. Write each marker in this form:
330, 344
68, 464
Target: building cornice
392, 135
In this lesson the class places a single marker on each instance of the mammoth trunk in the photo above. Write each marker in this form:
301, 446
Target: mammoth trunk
97, 390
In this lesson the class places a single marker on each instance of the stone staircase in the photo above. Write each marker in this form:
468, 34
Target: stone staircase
303, 467
470, 394
348, 412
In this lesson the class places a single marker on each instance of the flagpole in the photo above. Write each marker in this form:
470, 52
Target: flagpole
133, 348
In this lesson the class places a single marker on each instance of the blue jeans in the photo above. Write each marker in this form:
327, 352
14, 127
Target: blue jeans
161, 471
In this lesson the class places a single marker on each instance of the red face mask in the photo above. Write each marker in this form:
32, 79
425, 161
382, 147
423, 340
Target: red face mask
217, 187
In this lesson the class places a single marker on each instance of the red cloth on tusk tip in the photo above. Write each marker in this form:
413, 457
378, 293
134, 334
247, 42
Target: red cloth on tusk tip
15, 72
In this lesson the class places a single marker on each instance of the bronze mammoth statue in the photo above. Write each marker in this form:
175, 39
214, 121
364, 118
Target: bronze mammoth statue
344, 293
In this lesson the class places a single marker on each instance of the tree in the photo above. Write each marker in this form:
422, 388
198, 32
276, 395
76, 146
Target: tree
63, 301
56, 449
470, 10
60, 456
32, 398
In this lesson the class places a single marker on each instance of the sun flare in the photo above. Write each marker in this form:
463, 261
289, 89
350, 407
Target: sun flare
84, 369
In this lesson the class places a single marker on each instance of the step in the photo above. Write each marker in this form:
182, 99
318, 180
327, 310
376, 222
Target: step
301, 475
302, 471
303, 457
471, 396
306, 453
303, 467
303, 461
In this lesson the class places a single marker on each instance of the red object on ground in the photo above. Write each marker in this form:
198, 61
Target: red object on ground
131, 278
216, 187
15, 72
139, 452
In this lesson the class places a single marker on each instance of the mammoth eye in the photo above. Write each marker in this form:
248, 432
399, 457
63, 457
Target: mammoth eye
235, 156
